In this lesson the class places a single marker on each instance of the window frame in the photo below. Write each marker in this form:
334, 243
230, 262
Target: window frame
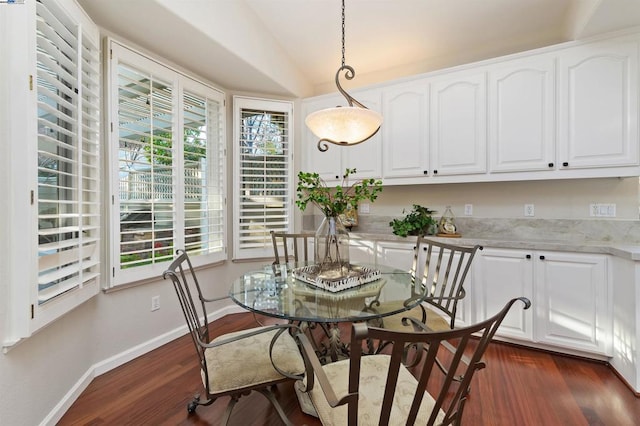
180, 83
241, 103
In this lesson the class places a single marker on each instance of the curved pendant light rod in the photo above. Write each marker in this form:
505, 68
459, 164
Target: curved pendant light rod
344, 125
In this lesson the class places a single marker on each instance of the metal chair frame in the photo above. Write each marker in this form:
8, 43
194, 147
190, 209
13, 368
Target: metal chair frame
443, 277
299, 244
449, 393
197, 322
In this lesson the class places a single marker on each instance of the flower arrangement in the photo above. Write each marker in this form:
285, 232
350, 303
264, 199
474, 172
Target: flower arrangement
334, 201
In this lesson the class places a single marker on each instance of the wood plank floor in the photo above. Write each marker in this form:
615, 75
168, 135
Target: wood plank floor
519, 387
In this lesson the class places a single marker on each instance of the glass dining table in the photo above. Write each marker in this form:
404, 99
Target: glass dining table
274, 291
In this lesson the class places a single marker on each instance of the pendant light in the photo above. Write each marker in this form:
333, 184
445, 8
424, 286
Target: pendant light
348, 125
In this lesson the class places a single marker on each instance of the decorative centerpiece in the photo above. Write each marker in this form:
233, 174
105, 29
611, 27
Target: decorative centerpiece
332, 238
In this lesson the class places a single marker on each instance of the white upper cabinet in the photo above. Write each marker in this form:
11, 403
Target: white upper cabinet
365, 157
565, 112
598, 101
327, 164
405, 129
459, 123
522, 115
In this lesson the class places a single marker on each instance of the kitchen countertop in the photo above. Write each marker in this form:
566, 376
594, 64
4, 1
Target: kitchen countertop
623, 250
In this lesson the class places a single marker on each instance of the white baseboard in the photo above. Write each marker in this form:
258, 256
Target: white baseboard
117, 360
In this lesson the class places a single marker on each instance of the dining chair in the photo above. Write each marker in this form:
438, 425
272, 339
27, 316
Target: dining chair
442, 278
237, 363
291, 246
380, 390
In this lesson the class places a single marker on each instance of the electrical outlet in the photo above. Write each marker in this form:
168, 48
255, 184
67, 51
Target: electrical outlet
529, 210
468, 209
155, 303
363, 208
602, 210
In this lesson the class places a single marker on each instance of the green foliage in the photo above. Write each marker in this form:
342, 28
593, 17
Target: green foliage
416, 222
334, 201
161, 147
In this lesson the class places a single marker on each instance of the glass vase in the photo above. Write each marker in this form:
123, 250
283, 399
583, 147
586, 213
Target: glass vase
447, 224
332, 248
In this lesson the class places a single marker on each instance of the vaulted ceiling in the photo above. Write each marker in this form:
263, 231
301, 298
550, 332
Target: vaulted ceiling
293, 47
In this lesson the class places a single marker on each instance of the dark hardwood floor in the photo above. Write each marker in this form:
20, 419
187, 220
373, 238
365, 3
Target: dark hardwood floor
519, 387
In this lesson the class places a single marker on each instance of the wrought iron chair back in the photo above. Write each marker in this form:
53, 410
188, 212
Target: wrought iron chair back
379, 388
443, 274
236, 363
291, 246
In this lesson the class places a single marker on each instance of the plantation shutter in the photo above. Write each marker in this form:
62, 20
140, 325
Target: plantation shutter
263, 174
146, 158
67, 85
204, 184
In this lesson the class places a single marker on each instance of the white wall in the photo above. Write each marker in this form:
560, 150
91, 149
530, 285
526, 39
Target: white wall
554, 199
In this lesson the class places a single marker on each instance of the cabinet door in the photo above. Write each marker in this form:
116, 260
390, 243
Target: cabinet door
362, 251
327, 164
365, 157
522, 115
459, 124
573, 301
599, 105
405, 130
499, 276
395, 254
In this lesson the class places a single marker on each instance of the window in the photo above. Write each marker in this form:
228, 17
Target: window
57, 233
168, 167
262, 174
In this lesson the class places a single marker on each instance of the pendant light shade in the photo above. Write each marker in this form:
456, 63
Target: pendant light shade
348, 125
344, 125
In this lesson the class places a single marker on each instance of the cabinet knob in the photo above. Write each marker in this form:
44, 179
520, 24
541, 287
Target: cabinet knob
337, 177
550, 164
528, 256
565, 164
426, 172
541, 257
435, 172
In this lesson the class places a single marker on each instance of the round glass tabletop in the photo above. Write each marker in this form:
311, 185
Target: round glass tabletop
273, 291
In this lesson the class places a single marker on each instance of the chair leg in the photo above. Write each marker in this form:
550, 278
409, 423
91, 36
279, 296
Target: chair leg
230, 405
191, 407
271, 397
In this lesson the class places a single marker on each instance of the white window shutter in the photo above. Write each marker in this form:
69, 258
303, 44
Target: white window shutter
263, 174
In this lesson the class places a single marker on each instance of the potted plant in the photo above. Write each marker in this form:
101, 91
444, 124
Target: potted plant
333, 202
418, 221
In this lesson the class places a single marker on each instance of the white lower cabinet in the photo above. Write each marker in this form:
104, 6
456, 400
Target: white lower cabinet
569, 292
573, 306
362, 251
499, 276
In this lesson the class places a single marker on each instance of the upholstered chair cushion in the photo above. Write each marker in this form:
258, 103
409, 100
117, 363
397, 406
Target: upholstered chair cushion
373, 375
435, 321
227, 372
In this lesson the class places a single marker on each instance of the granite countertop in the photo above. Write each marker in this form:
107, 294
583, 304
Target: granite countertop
623, 250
